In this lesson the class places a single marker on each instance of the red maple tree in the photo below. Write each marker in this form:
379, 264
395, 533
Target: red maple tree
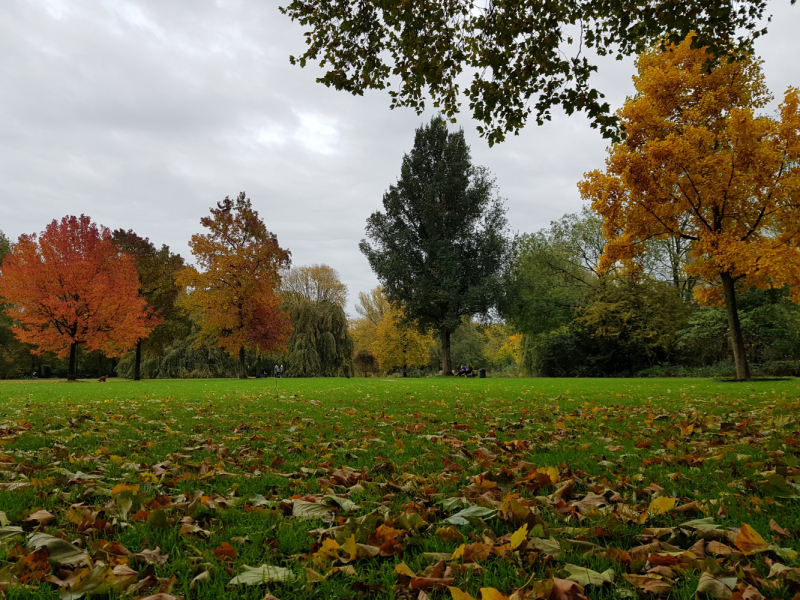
73, 286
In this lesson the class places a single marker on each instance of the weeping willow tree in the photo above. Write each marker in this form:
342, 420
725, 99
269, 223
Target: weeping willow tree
320, 345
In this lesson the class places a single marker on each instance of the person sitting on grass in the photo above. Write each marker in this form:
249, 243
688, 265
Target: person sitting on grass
469, 372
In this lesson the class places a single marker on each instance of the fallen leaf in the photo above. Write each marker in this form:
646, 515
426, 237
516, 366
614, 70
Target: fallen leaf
775, 528
262, 574
750, 541
457, 594
719, 587
661, 505
649, 584
585, 576
519, 536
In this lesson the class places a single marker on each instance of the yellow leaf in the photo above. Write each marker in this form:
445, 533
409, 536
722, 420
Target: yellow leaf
492, 594
403, 569
329, 547
350, 548
519, 536
551, 472
661, 505
459, 552
124, 487
457, 594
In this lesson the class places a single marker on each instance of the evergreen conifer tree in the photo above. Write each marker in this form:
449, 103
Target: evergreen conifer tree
440, 245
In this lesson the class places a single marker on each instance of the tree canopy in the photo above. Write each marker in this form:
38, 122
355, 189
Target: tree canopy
157, 269
320, 345
554, 273
523, 57
700, 164
400, 344
232, 293
440, 246
5, 246
316, 282
372, 306
73, 286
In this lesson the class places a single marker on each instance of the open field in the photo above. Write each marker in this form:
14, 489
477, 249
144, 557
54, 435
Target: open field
370, 488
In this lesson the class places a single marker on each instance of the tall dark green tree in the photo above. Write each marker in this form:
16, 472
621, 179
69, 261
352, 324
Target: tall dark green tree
6, 336
157, 268
5, 246
440, 246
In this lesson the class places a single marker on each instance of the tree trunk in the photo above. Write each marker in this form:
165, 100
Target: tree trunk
242, 367
137, 363
72, 359
447, 368
735, 328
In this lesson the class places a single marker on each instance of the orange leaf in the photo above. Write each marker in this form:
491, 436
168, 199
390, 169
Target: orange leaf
124, 487
225, 552
750, 541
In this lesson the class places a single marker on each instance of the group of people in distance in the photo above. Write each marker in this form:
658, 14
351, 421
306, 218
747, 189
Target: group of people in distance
465, 371
278, 372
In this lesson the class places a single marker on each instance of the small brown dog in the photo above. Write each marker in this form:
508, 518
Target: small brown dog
102, 379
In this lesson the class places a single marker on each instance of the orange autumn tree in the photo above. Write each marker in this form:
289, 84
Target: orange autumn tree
232, 293
701, 163
72, 286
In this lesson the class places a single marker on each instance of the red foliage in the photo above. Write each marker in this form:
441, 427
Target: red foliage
70, 286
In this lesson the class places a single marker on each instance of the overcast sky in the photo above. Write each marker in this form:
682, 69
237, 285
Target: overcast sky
143, 114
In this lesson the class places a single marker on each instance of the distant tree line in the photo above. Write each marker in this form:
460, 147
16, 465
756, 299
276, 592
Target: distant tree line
80, 298
685, 261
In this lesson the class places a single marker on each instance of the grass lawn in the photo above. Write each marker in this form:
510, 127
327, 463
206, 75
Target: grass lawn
376, 488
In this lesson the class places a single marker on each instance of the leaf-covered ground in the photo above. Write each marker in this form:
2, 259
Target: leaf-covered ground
428, 488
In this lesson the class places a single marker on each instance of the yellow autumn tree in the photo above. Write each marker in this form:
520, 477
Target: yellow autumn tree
700, 163
370, 307
232, 293
400, 344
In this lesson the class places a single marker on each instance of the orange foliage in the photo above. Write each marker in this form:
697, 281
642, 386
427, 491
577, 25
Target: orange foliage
233, 293
699, 163
71, 285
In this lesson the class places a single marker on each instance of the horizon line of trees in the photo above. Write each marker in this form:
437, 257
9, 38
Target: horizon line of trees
689, 257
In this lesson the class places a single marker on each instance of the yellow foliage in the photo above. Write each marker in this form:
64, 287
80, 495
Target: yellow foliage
492, 594
551, 472
457, 594
519, 536
701, 164
661, 505
364, 333
400, 344
350, 547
